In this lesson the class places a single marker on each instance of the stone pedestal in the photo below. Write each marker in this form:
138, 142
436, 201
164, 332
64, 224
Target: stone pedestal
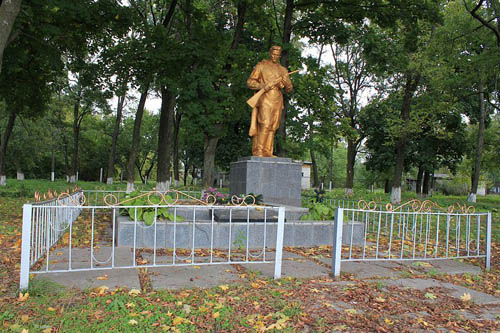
277, 179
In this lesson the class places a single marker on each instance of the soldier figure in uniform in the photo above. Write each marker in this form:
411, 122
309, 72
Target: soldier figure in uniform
272, 77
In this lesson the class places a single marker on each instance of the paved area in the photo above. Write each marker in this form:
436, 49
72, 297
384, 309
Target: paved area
385, 274
203, 276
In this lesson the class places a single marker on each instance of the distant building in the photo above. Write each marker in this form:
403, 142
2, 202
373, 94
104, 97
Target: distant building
438, 179
495, 189
306, 175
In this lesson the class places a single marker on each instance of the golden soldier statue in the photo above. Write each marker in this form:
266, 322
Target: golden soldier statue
269, 77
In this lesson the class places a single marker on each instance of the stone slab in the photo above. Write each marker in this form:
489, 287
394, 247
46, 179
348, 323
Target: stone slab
455, 290
225, 215
397, 269
81, 258
222, 234
204, 276
297, 267
125, 277
367, 270
277, 179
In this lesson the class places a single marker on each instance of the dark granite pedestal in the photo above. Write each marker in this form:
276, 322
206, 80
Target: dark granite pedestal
277, 179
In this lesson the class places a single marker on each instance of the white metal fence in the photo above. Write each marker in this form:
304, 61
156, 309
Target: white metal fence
68, 234
368, 235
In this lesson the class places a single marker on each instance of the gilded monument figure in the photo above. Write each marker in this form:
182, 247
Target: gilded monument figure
268, 78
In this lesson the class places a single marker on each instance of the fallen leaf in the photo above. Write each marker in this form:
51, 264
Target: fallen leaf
22, 297
380, 299
101, 290
132, 322
104, 277
466, 297
186, 308
388, 321
421, 264
25, 318
224, 287
130, 305
430, 296
177, 321
134, 292
24, 331
351, 311
51, 309
47, 330
215, 315
196, 267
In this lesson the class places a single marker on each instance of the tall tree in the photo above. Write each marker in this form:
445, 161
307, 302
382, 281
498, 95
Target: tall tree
9, 9
351, 79
114, 140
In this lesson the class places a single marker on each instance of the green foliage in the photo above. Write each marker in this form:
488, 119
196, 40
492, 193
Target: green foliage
320, 212
147, 214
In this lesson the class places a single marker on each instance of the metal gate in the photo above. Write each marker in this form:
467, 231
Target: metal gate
375, 235
67, 234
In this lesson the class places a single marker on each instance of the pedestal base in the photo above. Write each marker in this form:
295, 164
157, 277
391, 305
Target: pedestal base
277, 179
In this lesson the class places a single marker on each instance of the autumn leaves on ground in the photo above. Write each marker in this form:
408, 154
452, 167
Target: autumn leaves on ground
257, 304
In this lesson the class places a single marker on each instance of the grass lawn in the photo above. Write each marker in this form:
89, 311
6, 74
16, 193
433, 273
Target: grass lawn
256, 304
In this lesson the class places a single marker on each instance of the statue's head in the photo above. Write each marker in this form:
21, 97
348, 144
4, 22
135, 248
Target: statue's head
275, 53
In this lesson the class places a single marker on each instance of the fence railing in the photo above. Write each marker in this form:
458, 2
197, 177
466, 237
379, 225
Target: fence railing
66, 235
101, 197
368, 235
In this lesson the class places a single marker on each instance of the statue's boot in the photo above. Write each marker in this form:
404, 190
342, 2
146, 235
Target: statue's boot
269, 143
259, 143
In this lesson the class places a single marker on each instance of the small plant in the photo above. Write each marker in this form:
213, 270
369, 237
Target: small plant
240, 240
379, 285
147, 214
320, 211
220, 198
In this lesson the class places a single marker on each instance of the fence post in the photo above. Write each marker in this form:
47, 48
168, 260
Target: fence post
337, 241
279, 242
25, 248
488, 241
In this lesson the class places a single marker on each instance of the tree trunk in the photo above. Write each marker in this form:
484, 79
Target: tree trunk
330, 167
186, 170
8, 14
351, 160
387, 186
285, 61
116, 131
209, 161
177, 124
418, 186
136, 140
412, 80
193, 175
165, 139
479, 150
53, 165
314, 168
76, 138
3, 147
19, 171
427, 183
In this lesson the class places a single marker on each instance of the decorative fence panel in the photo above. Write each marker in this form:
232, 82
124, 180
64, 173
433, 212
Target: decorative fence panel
368, 235
67, 234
